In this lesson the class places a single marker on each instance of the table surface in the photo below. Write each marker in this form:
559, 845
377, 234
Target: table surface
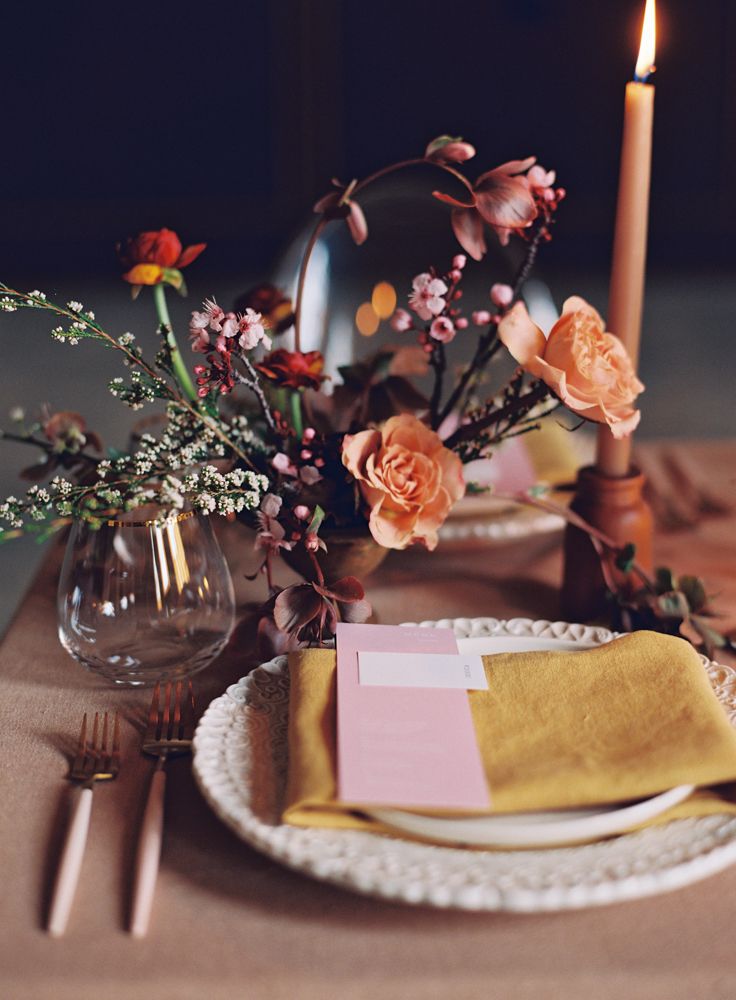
230, 923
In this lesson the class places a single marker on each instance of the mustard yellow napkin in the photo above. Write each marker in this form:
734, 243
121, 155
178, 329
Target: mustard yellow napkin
623, 721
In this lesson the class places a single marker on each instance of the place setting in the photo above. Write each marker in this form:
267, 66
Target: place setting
378, 574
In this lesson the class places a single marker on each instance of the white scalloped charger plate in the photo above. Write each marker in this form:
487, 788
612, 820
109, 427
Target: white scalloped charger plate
240, 765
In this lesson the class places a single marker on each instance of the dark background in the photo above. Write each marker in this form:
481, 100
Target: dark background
225, 120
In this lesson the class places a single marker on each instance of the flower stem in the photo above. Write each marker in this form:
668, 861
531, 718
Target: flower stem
295, 405
177, 363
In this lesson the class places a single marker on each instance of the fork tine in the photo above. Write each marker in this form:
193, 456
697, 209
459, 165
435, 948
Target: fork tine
103, 749
115, 754
92, 752
165, 734
81, 746
188, 720
152, 727
176, 724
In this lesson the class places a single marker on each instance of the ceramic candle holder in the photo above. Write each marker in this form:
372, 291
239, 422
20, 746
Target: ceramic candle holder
616, 506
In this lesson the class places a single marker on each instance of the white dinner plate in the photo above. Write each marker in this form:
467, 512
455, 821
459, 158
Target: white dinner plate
240, 764
533, 829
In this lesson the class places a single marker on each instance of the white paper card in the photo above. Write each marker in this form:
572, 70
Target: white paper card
422, 670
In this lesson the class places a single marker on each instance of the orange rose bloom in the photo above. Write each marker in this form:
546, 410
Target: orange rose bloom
587, 368
407, 477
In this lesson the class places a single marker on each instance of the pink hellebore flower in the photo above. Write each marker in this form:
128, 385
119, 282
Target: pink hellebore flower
426, 298
401, 321
502, 199
335, 206
442, 329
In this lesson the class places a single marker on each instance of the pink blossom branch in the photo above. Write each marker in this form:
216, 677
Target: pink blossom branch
322, 223
488, 344
519, 405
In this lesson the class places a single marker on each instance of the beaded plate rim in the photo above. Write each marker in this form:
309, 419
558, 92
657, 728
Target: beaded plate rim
248, 723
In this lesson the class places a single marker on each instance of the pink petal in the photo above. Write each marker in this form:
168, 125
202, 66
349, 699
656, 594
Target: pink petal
505, 201
468, 228
449, 200
356, 224
296, 606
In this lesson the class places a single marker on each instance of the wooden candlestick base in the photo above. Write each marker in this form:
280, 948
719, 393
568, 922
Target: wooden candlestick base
616, 506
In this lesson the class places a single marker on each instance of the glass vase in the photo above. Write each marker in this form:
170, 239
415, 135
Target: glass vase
142, 600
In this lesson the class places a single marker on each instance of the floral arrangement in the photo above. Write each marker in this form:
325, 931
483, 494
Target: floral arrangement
256, 430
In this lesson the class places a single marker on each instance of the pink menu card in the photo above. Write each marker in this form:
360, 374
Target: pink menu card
411, 747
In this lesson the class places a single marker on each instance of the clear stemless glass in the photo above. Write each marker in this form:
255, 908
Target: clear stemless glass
141, 601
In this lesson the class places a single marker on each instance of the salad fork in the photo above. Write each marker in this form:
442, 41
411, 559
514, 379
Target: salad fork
95, 760
170, 731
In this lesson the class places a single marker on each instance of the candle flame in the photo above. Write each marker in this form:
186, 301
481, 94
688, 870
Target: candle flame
645, 62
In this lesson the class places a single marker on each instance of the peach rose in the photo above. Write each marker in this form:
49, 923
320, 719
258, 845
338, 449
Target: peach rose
407, 477
587, 368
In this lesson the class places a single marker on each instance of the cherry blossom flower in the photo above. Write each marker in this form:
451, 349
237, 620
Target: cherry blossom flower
426, 298
251, 330
481, 317
502, 295
502, 199
541, 182
283, 464
442, 329
401, 321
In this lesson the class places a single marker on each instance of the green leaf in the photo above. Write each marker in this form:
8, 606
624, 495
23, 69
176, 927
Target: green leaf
317, 518
664, 580
694, 590
174, 278
625, 558
673, 605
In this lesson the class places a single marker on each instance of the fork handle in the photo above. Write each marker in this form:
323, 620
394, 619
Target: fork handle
70, 863
149, 854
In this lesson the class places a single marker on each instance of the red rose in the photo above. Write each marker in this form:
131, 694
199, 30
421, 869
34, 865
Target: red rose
293, 369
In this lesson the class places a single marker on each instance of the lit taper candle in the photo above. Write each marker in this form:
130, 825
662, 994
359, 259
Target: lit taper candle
630, 239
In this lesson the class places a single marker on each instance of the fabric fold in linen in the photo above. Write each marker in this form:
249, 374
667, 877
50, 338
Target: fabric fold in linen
620, 722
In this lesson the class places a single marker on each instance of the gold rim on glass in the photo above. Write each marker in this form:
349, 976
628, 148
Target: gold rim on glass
183, 516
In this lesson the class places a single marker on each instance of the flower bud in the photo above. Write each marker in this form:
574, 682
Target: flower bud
502, 295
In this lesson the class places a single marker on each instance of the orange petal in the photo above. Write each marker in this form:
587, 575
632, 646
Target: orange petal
521, 336
191, 253
144, 274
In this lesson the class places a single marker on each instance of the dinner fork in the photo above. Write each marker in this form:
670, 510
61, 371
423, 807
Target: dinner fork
95, 760
169, 732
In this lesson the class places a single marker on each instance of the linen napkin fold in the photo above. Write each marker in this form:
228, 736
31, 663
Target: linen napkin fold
556, 730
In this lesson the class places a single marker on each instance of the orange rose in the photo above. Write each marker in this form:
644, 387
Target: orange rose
587, 368
408, 479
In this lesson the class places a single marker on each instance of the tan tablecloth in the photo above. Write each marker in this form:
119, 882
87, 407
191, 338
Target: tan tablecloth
228, 923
